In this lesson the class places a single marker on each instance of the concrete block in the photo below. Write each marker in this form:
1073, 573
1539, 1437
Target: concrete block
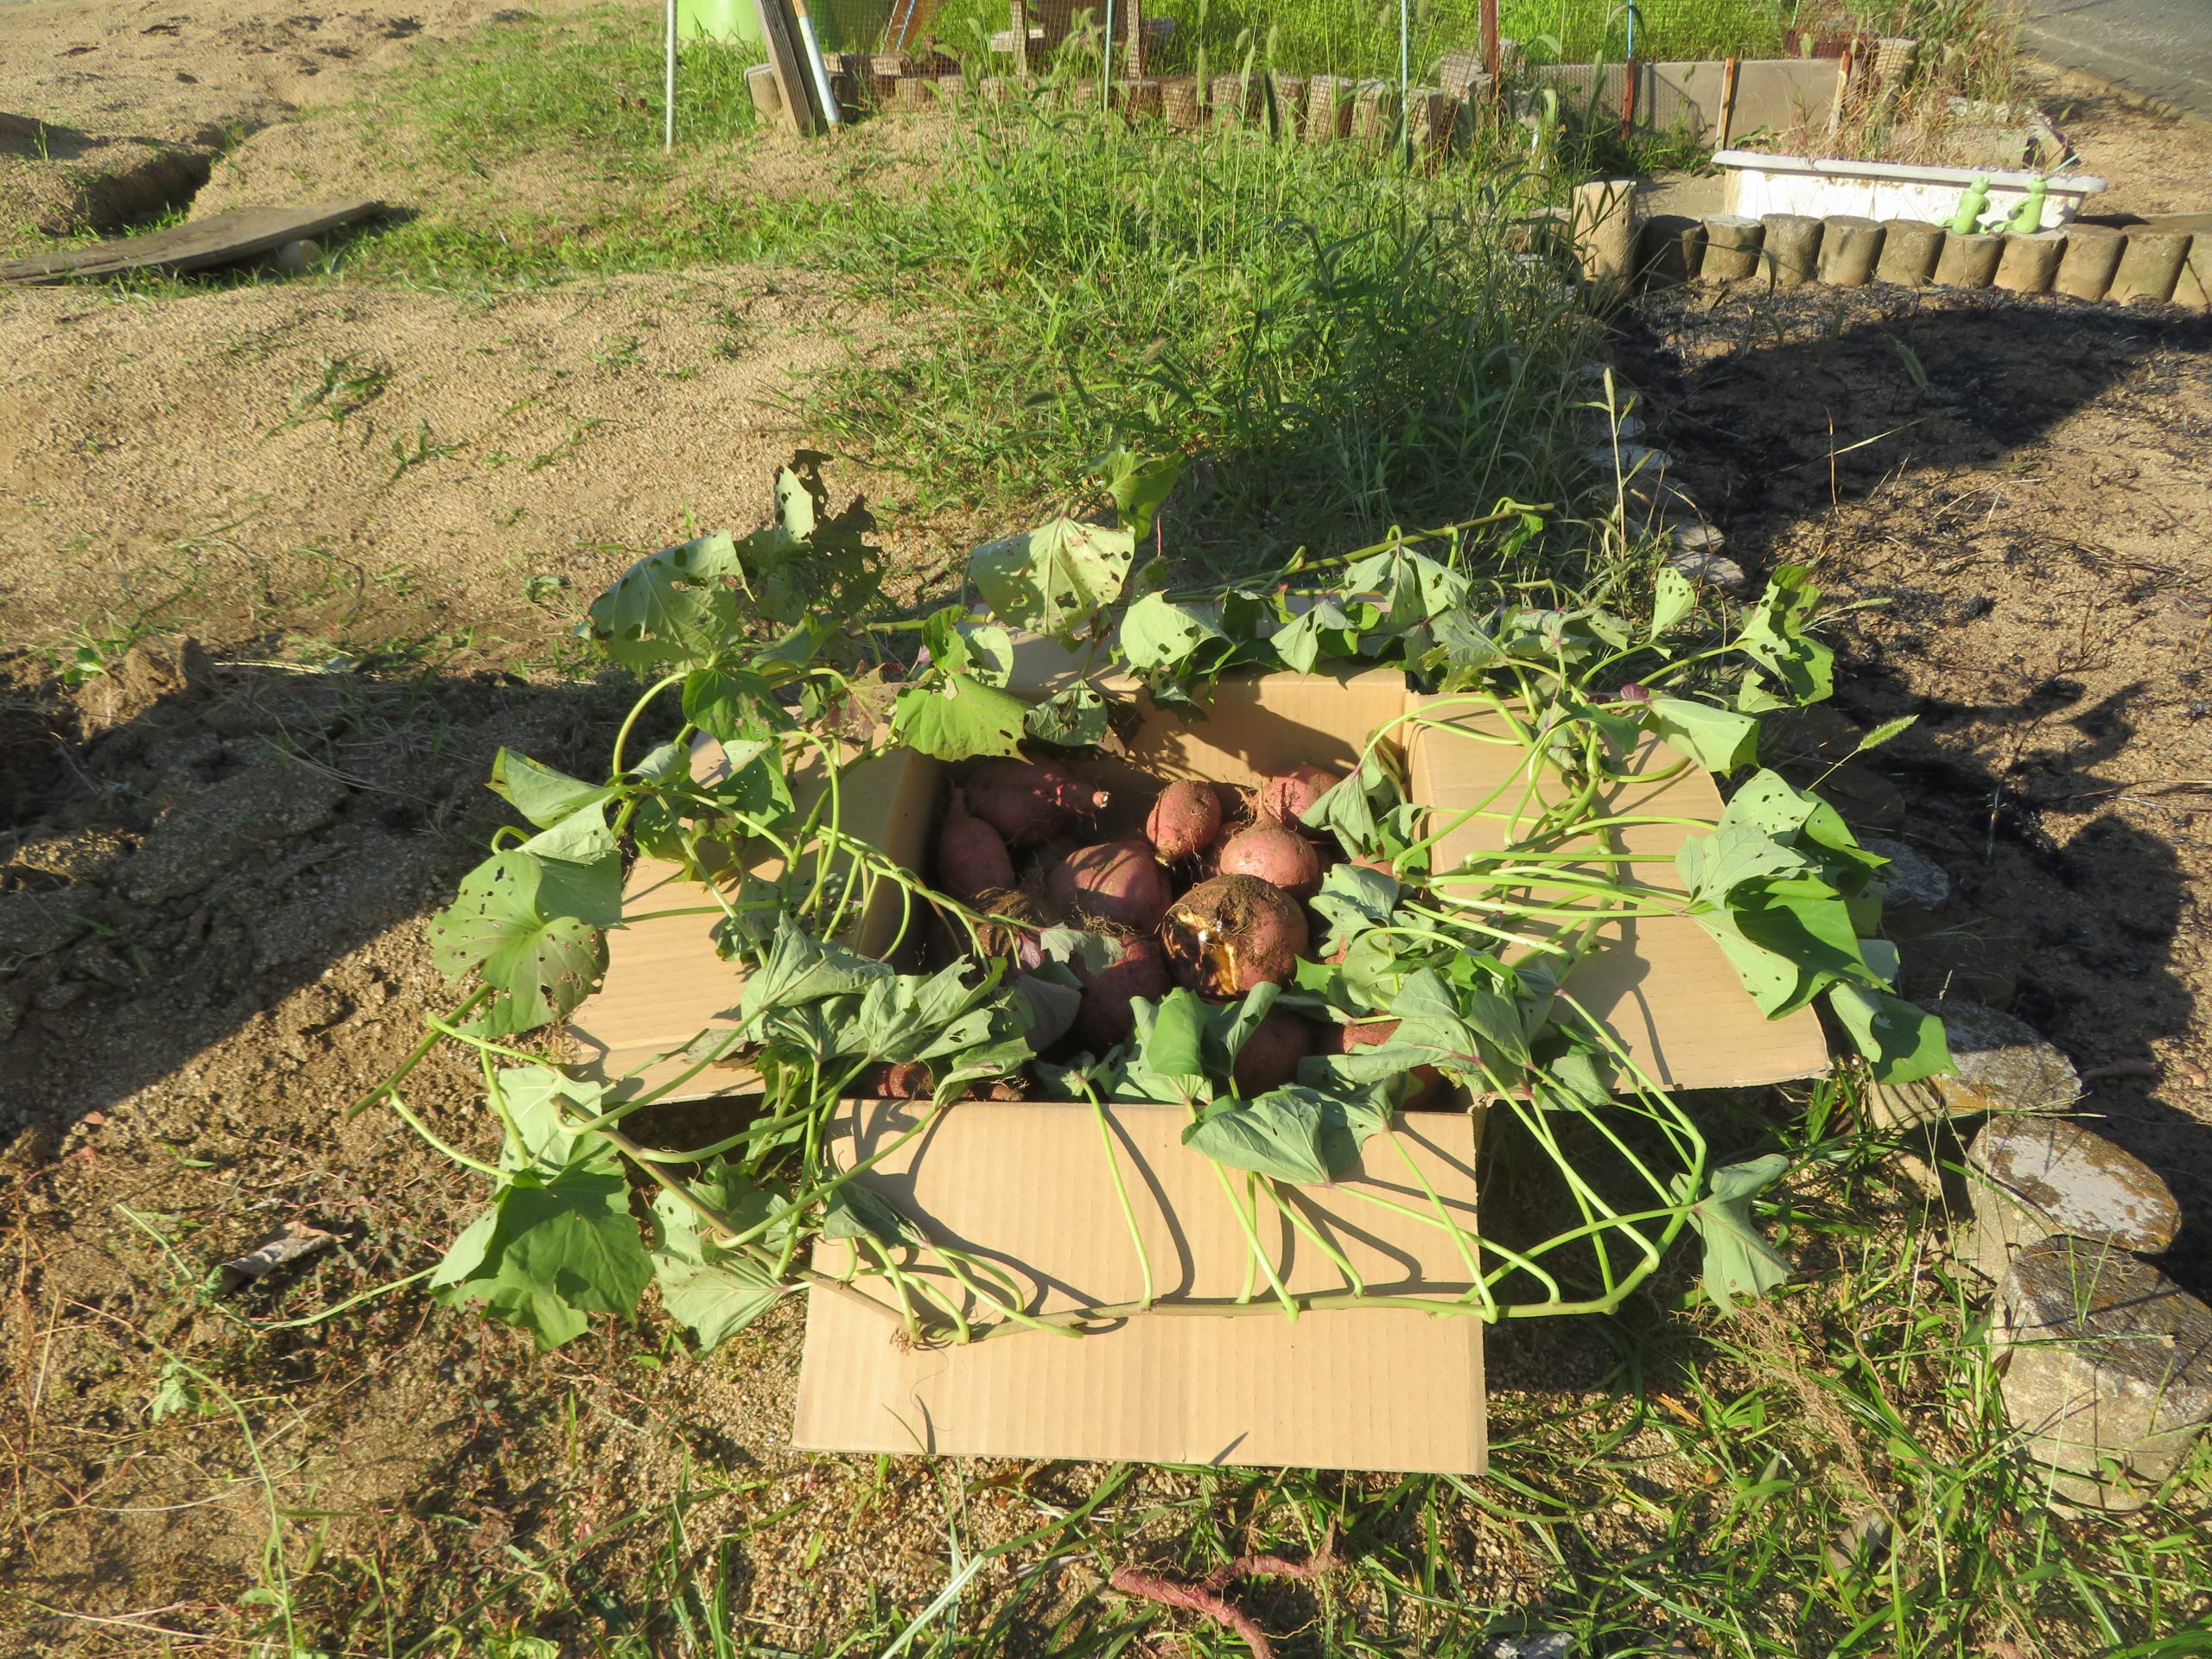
1793, 248
2003, 1064
1774, 94
2030, 263
1969, 261
2085, 270
1850, 247
1731, 248
1604, 229
1910, 249
2108, 1369
2193, 282
2031, 1179
2150, 267
1670, 249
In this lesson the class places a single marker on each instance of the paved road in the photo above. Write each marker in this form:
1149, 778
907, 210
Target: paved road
2161, 47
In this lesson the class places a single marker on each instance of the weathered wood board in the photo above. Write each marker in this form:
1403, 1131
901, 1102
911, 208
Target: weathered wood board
219, 240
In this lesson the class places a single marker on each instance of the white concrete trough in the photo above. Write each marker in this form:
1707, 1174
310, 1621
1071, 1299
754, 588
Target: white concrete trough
1758, 184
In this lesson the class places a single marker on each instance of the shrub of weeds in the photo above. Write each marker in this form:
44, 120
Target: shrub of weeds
1338, 340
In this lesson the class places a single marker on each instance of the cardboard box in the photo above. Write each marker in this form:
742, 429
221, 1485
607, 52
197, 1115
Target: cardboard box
1186, 1381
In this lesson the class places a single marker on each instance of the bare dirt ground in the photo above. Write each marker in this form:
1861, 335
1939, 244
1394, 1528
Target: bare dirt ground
214, 875
2016, 488
110, 111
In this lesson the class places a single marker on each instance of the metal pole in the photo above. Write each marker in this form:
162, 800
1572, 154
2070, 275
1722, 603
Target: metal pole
1404, 80
668, 85
816, 63
1106, 62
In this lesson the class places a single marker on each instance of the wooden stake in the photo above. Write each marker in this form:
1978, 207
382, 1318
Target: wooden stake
1727, 102
1490, 40
791, 70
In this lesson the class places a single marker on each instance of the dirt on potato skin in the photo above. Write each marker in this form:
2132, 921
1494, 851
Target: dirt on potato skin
2018, 493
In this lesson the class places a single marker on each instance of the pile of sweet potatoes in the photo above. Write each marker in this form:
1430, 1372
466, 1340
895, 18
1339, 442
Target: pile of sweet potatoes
1211, 897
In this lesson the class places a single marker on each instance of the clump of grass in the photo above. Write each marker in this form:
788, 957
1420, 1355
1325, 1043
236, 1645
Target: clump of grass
589, 86
1339, 344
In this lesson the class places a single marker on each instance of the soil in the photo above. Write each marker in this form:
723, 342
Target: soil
379, 512
2016, 491
109, 112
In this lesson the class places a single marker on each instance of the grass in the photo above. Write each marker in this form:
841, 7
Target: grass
1828, 1472
1339, 344
1328, 37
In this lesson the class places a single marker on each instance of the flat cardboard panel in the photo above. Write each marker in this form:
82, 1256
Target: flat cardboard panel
664, 983
1660, 984
1181, 1384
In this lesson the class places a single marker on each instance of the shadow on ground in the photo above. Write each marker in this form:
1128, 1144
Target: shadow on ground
2022, 489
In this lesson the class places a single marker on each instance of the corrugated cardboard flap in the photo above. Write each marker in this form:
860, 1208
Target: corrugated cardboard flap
1660, 984
1199, 1378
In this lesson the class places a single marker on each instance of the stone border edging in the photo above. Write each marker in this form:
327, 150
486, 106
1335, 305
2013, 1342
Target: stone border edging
2085, 262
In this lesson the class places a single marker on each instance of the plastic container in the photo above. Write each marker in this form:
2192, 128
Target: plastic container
1759, 184
734, 21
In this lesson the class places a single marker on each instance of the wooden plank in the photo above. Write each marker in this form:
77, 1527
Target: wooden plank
219, 240
781, 33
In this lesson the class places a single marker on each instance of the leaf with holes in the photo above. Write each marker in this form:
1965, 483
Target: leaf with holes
1055, 578
958, 717
671, 609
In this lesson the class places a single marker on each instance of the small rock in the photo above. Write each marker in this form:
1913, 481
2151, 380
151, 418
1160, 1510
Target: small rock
1691, 534
2037, 1177
150, 672
2108, 1369
1714, 570
299, 256
1859, 1544
1915, 888
1542, 1644
37, 924
2003, 1065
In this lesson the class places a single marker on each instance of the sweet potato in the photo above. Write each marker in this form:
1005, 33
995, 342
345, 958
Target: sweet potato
1116, 881
1285, 798
1275, 854
971, 858
1270, 1055
1184, 821
1027, 800
1105, 1019
1423, 1084
1227, 935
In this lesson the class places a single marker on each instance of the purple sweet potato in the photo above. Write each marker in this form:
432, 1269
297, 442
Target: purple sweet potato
971, 858
1027, 800
1275, 854
1423, 1083
1116, 881
1184, 821
1286, 796
1270, 1055
1227, 935
1105, 1019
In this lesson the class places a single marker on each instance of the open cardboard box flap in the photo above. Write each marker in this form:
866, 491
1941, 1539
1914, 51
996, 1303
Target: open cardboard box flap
1369, 1388
1196, 1379
1660, 984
